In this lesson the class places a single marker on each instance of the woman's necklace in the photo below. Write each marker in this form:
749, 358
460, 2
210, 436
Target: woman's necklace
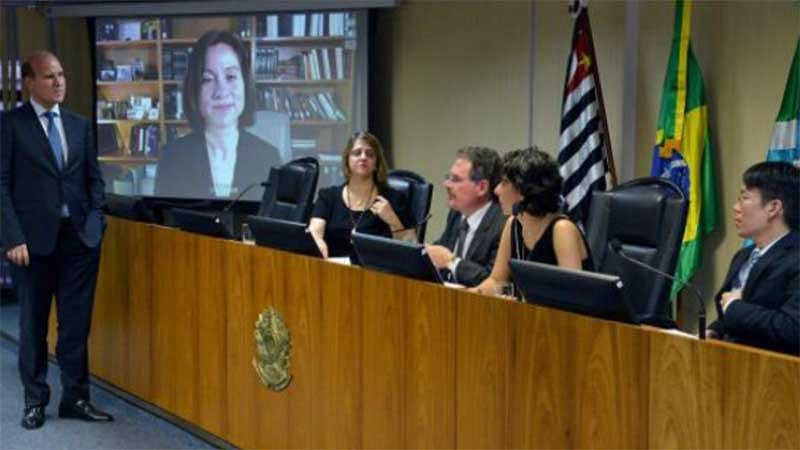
350, 207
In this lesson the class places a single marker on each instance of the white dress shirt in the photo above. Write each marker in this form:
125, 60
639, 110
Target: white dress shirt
40, 110
222, 168
474, 220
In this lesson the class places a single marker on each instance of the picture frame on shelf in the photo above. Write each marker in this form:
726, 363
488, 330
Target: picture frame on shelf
108, 74
149, 29
124, 73
130, 30
106, 30
137, 69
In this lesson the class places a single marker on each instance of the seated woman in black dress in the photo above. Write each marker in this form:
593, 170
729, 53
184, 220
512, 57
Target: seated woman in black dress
364, 202
529, 192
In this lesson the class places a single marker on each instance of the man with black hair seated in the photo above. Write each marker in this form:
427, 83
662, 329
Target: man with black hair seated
759, 302
467, 248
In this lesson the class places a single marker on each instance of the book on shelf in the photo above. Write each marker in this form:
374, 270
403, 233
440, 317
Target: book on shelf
173, 103
339, 63
316, 24
266, 66
327, 63
299, 25
144, 140
107, 139
301, 106
166, 28
175, 62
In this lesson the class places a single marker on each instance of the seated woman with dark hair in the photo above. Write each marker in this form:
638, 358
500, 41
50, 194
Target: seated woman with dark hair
364, 203
530, 192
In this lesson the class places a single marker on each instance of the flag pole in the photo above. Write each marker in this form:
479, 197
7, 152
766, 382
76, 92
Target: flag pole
575, 7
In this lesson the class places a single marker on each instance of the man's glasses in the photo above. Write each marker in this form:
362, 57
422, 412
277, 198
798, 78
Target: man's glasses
457, 179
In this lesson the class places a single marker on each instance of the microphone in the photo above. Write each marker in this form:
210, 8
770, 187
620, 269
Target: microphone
416, 226
616, 245
236, 199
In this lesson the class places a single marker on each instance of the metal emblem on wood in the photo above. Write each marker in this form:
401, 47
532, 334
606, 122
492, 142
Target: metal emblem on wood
273, 350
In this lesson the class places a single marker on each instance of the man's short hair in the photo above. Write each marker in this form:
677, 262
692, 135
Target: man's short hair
27, 65
486, 165
777, 180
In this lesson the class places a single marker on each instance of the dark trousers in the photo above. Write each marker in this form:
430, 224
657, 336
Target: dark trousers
69, 274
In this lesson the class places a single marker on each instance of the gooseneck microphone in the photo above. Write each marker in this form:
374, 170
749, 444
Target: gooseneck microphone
239, 196
416, 226
616, 245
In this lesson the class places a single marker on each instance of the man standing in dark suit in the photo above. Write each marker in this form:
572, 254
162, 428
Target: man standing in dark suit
52, 225
468, 246
759, 302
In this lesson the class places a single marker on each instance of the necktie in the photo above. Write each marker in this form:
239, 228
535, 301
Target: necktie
744, 272
463, 229
55, 138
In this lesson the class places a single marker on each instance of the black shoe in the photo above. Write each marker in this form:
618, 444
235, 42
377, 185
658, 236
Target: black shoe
33, 417
83, 410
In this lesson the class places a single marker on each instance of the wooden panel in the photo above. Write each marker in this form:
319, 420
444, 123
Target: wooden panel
172, 250
242, 382
481, 371
677, 400
543, 368
210, 283
430, 377
609, 384
721, 396
303, 311
383, 360
140, 252
760, 398
379, 361
337, 413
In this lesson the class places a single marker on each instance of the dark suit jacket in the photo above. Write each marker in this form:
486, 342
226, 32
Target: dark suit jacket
768, 314
184, 169
479, 259
32, 188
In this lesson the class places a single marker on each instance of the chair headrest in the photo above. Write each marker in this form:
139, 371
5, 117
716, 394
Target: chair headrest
638, 216
293, 182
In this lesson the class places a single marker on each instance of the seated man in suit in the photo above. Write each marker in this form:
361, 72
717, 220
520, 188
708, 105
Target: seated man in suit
467, 248
759, 302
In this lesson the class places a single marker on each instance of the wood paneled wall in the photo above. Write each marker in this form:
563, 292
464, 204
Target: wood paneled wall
384, 362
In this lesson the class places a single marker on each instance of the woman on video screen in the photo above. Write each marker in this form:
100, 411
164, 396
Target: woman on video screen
218, 159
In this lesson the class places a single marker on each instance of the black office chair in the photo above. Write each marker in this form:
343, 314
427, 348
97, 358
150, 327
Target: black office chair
417, 191
647, 216
289, 194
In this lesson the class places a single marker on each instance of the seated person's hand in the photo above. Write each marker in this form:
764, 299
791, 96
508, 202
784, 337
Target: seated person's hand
728, 297
712, 334
19, 255
440, 255
383, 209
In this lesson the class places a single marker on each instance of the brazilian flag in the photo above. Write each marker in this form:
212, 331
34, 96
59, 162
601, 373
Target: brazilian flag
683, 151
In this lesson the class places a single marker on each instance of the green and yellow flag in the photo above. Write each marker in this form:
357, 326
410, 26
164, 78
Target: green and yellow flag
683, 147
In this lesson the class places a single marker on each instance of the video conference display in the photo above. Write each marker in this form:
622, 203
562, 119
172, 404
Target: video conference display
202, 107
